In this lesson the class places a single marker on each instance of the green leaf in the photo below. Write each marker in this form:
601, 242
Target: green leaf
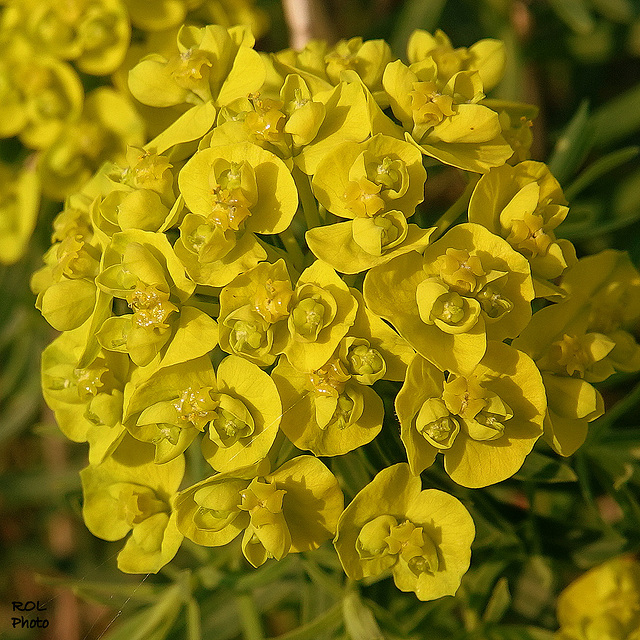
328, 621
20, 410
599, 168
617, 119
249, 617
37, 487
220, 617
323, 580
626, 201
194, 630
609, 545
155, 622
518, 632
359, 619
415, 14
540, 468
615, 10
573, 145
351, 473
105, 592
534, 587
480, 581
498, 602
575, 14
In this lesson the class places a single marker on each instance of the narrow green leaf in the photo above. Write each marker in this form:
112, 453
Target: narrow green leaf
601, 167
249, 617
615, 10
534, 587
479, 582
606, 547
573, 145
329, 621
20, 410
351, 473
37, 487
220, 619
519, 632
415, 14
575, 14
194, 628
617, 119
540, 468
626, 201
587, 219
498, 602
359, 619
104, 592
155, 622
323, 580
264, 575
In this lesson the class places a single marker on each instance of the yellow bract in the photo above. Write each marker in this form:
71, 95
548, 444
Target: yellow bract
129, 492
423, 537
445, 119
484, 423
294, 508
583, 339
524, 204
602, 603
467, 287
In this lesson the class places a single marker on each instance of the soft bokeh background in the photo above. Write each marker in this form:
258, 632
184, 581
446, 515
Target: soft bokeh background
579, 60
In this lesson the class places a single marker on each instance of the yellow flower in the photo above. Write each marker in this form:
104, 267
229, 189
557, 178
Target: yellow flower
446, 120
487, 57
87, 400
469, 286
423, 537
292, 509
585, 338
232, 191
19, 200
250, 307
366, 178
524, 204
129, 492
213, 64
484, 423
602, 604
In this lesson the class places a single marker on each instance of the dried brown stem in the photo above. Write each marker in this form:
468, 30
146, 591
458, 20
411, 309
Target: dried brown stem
307, 20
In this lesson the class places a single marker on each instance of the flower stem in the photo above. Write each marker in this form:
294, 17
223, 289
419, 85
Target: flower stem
293, 248
307, 199
456, 209
250, 618
619, 409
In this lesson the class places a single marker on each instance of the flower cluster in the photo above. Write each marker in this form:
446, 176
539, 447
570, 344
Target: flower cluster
246, 287
46, 49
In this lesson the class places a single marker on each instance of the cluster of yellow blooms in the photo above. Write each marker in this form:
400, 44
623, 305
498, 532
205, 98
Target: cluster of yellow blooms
194, 317
47, 47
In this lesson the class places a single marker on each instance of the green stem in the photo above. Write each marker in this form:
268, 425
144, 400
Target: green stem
582, 471
285, 453
307, 199
249, 617
619, 409
293, 248
456, 209
327, 621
